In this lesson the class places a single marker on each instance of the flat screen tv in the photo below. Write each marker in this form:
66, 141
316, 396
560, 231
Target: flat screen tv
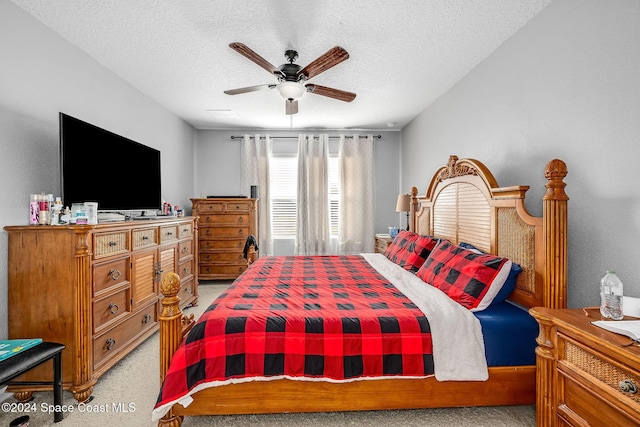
100, 166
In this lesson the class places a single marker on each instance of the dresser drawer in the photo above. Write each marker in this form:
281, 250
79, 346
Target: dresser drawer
111, 308
185, 249
214, 207
238, 232
108, 244
582, 404
223, 219
110, 274
225, 244
185, 231
186, 289
145, 238
185, 269
222, 258
111, 342
239, 206
607, 373
168, 233
221, 270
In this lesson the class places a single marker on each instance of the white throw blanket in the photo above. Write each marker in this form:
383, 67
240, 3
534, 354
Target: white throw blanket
458, 346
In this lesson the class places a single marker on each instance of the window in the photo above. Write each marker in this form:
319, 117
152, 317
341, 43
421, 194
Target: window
283, 179
284, 173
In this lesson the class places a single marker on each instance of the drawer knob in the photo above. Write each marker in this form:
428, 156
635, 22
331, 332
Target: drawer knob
185, 271
115, 274
146, 318
145, 237
110, 343
185, 250
112, 244
627, 386
240, 219
113, 308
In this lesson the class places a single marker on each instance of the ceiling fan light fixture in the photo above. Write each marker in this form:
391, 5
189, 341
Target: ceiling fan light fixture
291, 90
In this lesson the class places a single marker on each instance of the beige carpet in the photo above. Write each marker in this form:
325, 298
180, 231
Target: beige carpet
134, 384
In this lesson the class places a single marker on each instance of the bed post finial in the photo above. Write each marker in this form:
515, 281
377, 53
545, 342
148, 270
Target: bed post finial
413, 209
555, 218
555, 172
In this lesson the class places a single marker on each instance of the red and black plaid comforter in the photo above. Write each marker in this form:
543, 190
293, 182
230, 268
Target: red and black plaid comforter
321, 317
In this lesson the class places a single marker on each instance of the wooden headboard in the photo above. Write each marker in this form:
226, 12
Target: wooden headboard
463, 203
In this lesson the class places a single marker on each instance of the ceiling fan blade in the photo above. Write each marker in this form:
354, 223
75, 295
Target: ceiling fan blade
254, 57
291, 106
248, 89
331, 58
331, 92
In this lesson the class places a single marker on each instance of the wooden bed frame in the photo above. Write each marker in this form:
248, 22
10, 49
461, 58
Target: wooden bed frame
462, 203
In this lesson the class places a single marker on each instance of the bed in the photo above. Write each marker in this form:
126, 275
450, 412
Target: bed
464, 216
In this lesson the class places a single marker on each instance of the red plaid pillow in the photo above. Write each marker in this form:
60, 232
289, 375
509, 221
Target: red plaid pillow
410, 250
469, 278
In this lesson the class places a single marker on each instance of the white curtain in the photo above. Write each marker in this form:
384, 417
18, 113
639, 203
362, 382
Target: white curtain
357, 198
256, 160
312, 228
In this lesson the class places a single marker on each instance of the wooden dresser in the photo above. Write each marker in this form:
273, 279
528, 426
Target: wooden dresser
382, 242
224, 225
95, 289
585, 374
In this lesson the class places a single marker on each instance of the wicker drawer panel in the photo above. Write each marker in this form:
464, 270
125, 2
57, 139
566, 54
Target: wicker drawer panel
111, 308
186, 289
222, 244
106, 244
168, 233
239, 232
185, 249
185, 269
583, 405
109, 343
221, 270
145, 238
239, 206
204, 207
185, 231
222, 257
110, 274
602, 369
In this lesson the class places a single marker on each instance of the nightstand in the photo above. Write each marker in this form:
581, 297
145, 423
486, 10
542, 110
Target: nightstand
382, 241
585, 374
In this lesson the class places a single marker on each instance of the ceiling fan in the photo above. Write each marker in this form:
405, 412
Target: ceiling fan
292, 78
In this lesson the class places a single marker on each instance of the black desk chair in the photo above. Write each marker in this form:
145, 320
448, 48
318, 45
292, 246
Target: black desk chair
30, 358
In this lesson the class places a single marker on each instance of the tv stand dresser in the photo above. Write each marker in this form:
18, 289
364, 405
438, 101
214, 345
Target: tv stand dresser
95, 289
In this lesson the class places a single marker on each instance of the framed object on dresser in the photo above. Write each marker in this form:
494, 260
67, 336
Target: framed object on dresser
224, 224
586, 375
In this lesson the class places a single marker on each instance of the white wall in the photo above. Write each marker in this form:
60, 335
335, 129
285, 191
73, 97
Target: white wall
567, 86
218, 170
41, 74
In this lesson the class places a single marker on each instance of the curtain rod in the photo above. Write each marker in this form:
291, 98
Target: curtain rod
295, 137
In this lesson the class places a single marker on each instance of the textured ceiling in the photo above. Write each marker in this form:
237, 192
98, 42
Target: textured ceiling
404, 54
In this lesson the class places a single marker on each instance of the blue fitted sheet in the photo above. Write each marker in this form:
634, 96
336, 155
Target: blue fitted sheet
509, 335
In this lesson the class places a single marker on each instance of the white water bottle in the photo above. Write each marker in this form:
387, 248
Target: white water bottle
611, 296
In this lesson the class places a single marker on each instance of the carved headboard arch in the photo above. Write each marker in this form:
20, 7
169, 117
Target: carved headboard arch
463, 203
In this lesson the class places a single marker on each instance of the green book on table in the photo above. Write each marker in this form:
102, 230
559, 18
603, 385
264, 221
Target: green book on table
10, 348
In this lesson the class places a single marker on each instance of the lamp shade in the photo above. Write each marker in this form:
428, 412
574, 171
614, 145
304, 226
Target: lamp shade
290, 90
404, 202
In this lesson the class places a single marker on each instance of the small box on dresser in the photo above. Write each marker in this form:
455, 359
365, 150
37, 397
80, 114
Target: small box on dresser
224, 225
585, 374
